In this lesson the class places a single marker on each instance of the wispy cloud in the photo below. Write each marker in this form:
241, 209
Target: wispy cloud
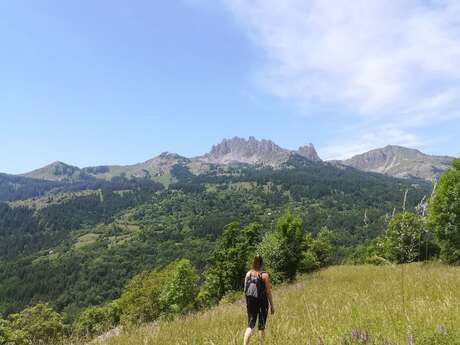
370, 138
394, 65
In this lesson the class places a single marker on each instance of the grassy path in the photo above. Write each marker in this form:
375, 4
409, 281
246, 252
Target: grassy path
390, 303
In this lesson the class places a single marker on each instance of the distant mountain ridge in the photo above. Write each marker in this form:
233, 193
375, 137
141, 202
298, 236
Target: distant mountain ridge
398, 161
232, 151
395, 161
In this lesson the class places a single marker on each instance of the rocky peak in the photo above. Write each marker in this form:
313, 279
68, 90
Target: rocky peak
170, 156
243, 150
254, 151
309, 151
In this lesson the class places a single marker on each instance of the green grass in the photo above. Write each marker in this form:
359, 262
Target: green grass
86, 240
165, 179
391, 303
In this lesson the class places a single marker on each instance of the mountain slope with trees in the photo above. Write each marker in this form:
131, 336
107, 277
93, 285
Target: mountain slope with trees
76, 249
90, 255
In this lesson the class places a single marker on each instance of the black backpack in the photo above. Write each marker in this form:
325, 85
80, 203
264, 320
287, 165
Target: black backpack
254, 286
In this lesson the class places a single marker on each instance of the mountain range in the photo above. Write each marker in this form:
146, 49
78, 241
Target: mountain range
396, 161
73, 237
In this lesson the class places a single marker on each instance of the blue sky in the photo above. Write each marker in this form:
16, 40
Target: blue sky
116, 82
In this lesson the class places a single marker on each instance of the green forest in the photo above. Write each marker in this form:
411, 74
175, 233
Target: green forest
84, 257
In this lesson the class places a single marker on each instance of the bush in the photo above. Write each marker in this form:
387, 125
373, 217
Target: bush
179, 294
270, 250
39, 324
309, 262
318, 252
232, 297
140, 300
10, 336
283, 249
444, 213
288, 230
97, 319
370, 254
228, 263
163, 293
405, 239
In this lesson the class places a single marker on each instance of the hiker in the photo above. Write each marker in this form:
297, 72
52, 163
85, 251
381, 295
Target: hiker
258, 295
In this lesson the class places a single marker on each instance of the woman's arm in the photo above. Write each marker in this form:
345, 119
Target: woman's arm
268, 289
246, 280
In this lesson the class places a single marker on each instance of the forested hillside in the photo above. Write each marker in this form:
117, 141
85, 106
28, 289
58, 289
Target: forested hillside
79, 245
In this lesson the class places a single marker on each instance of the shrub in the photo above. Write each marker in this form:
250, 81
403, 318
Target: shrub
318, 252
97, 319
309, 262
10, 336
444, 213
232, 297
140, 300
270, 250
288, 230
39, 324
405, 239
370, 254
163, 293
178, 296
229, 262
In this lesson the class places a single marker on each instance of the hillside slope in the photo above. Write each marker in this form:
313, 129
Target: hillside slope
56, 171
328, 306
398, 161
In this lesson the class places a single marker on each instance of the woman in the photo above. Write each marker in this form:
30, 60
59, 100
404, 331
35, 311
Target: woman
258, 298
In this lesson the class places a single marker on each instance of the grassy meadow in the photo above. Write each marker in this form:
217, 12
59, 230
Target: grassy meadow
407, 304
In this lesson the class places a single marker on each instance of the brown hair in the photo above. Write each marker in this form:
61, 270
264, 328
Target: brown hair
257, 263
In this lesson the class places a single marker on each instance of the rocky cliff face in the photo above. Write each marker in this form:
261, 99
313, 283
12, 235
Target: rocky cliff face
309, 151
250, 151
256, 152
400, 161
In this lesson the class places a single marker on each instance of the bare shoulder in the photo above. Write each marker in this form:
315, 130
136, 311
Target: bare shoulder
265, 276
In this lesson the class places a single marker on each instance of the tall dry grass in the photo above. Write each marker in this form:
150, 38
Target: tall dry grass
394, 304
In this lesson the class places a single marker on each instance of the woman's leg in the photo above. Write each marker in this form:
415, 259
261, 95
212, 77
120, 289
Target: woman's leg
252, 309
247, 335
263, 314
262, 336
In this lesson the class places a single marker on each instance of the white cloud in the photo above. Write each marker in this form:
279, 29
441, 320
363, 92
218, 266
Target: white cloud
395, 65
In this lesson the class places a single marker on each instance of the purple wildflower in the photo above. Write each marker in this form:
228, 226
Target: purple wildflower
365, 335
355, 334
410, 340
442, 330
